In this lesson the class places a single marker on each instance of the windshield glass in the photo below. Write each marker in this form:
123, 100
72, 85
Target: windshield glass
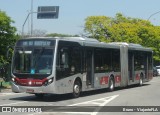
33, 60
157, 67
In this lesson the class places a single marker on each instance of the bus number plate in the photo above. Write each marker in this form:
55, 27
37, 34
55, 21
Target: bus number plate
30, 91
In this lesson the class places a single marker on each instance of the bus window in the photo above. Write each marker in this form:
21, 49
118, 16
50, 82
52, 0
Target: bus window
116, 60
75, 60
99, 59
68, 59
138, 61
150, 61
102, 60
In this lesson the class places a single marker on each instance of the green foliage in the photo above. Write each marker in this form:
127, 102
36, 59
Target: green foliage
98, 27
124, 29
7, 35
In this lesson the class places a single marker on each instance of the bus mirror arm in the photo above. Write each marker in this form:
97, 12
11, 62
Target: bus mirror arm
142, 66
9, 47
64, 59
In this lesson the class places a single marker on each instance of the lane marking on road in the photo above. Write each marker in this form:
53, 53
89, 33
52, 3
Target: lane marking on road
13, 103
100, 103
155, 81
103, 100
6, 94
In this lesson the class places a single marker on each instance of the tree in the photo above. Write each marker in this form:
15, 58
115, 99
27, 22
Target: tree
98, 27
124, 29
7, 34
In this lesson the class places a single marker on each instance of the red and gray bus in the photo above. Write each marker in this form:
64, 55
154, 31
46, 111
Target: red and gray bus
74, 64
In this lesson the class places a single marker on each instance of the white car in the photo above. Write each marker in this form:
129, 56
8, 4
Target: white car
158, 69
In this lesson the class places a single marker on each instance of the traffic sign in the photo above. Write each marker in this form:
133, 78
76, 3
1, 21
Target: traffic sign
47, 12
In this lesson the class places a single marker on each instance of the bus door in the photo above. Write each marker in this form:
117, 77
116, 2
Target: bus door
146, 65
131, 66
89, 67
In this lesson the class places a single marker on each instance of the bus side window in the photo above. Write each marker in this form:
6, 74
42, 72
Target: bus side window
75, 60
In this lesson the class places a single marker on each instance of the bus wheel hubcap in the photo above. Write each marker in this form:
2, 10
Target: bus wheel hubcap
111, 86
76, 88
141, 82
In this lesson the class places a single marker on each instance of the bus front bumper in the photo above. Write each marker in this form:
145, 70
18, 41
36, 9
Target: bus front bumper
28, 89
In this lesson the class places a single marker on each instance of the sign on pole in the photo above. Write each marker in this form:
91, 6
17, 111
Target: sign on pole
47, 12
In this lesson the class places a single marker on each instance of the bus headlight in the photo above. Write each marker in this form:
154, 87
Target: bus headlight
13, 79
49, 81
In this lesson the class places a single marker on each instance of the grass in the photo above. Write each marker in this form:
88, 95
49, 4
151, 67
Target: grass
5, 84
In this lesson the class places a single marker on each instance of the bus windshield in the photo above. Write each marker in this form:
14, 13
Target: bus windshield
33, 60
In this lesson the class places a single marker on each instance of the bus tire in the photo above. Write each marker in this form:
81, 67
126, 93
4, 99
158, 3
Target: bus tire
39, 95
76, 89
111, 84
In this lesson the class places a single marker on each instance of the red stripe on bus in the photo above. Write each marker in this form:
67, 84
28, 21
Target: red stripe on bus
117, 79
138, 76
104, 80
30, 82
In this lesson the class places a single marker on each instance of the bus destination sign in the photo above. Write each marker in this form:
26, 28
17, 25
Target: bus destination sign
35, 43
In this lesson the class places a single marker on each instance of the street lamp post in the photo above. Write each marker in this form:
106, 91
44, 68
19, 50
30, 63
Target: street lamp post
30, 13
31, 17
50, 13
153, 15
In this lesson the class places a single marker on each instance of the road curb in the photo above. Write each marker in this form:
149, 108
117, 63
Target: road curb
5, 90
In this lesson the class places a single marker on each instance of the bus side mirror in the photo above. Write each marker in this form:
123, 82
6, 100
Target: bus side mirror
64, 59
142, 66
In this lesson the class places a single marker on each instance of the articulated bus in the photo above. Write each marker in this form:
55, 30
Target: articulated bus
57, 65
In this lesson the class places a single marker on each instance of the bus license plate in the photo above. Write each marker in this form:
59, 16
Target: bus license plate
30, 90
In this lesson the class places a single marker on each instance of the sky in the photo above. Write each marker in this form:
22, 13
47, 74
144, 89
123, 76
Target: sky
72, 13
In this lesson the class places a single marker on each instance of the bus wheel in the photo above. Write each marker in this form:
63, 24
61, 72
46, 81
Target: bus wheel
76, 89
39, 95
141, 81
111, 84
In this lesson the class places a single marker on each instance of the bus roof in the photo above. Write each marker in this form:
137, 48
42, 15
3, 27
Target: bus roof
132, 46
91, 42
66, 38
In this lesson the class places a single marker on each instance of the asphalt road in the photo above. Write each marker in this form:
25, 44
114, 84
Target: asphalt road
124, 101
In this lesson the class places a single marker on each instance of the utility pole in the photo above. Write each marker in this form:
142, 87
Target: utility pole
152, 15
30, 13
51, 13
31, 17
